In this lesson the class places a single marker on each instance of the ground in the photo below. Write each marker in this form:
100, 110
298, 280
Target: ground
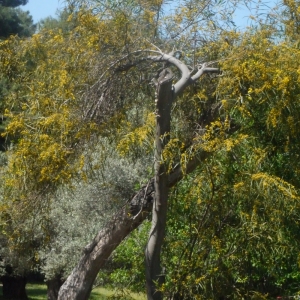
39, 291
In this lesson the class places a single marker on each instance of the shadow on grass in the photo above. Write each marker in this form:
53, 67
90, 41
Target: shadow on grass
39, 292
34, 292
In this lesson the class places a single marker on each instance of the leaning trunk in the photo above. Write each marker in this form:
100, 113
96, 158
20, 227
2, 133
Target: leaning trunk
154, 276
14, 287
79, 284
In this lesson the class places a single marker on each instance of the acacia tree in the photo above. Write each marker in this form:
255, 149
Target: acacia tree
142, 194
52, 117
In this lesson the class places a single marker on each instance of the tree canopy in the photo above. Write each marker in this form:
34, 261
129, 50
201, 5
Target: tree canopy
81, 102
13, 3
13, 20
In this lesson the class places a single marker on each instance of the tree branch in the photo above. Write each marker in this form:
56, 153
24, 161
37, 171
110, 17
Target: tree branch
186, 77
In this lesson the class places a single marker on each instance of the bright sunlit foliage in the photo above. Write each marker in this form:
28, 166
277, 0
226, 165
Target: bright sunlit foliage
233, 228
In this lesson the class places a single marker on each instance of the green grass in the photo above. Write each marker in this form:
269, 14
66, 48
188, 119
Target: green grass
102, 293
39, 292
36, 291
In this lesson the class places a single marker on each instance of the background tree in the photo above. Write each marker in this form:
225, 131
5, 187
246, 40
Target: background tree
15, 263
13, 3
62, 21
14, 20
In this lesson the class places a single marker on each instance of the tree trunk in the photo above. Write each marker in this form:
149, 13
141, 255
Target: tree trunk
79, 284
14, 287
164, 99
53, 287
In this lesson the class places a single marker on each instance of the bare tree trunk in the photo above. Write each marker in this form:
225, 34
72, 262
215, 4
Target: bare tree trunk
164, 99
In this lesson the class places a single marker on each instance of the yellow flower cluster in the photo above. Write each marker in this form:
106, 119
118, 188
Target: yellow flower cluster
139, 138
45, 112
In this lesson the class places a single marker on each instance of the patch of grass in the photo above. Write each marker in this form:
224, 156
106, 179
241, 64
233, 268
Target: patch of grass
36, 291
103, 293
39, 292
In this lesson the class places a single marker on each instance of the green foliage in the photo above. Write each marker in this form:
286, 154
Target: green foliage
232, 232
13, 3
14, 21
231, 237
126, 268
81, 124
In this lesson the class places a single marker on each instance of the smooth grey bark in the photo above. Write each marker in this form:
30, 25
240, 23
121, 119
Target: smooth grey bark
165, 95
79, 284
164, 99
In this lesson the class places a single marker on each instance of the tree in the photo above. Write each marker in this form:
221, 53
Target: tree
12, 128
13, 3
246, 195
14, 263
61, 22
14, 20
102, 90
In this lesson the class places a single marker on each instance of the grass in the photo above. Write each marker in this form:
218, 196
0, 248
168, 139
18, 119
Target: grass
103, 293
36, 291
39, 292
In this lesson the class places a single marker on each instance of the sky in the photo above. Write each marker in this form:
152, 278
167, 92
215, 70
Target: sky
40, 9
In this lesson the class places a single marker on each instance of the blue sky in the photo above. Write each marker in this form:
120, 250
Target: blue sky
40, 9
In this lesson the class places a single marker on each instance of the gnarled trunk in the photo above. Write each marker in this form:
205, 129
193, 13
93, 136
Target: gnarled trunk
79, 284
14, 287
53, 286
